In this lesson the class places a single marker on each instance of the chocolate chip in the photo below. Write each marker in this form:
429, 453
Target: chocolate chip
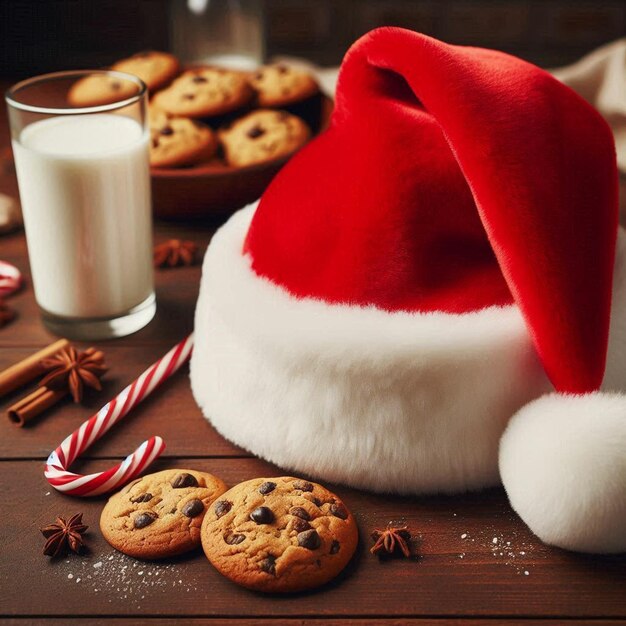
143, 497
334, 547
193, 508
299, 525
268, 565
155, 142
199, 79
188, 96
116, 85
222, 507
233, 540
339, 510
184, 480
262, 515
167, 130
255, 132
144, 519
317, 502
309, 539
302, 485
300, 512
267, 487
282, 69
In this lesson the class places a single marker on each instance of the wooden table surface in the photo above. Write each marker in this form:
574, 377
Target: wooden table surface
478, 563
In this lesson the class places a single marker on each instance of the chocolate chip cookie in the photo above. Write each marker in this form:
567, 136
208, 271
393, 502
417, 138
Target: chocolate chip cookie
279, 534
261, 136
160, 515
204, 92
156, 69
279, 85
179, 141
98, 89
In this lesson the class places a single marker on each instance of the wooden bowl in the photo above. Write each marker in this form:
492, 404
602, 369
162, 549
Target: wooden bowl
213, 189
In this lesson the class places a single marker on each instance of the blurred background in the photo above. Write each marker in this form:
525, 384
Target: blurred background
45, 35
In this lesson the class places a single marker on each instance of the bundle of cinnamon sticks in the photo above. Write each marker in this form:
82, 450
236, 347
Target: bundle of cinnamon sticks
47, 393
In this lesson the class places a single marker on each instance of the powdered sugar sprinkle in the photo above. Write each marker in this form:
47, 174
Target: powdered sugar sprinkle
118, 577
512, 550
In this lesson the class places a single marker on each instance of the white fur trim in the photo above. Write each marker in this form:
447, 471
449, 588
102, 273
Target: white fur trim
401, 402
563, 464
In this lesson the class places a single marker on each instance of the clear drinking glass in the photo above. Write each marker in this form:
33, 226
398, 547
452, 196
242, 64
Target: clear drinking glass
228, 33
84, 183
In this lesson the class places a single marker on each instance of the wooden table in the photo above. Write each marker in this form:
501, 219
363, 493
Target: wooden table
478, 563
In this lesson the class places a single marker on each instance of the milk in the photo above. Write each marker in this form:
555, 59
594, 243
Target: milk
85, 191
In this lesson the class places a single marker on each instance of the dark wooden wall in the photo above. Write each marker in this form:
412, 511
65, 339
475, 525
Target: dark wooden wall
547, 32
47, 35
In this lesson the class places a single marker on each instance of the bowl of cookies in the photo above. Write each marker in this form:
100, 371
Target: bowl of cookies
217, 135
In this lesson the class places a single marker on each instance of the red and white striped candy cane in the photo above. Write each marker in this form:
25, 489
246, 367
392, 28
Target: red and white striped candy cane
10, 279
59, 461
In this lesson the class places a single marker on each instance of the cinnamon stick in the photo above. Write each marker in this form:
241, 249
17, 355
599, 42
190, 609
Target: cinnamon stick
33, 404
28, 369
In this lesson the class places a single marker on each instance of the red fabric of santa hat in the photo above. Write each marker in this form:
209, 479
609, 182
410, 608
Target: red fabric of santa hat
411, 277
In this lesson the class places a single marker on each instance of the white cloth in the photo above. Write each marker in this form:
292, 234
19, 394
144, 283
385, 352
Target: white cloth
600, 78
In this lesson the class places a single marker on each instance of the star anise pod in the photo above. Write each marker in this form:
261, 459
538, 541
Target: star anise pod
64, 535
175, 252
72, 369
391, 539
6, 313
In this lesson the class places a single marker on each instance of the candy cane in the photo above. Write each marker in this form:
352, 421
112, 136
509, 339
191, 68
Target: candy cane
59, 461
10, 279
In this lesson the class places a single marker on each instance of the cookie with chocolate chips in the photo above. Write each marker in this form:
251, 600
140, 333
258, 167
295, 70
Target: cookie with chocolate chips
261, 136
204, 92
175, 142
160, 515
156, 69
100, 88
279, 85
279, 534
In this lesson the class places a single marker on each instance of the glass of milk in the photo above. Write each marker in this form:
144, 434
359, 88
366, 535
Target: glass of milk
84, 184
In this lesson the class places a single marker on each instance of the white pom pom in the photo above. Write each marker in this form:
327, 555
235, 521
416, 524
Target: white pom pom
563, 465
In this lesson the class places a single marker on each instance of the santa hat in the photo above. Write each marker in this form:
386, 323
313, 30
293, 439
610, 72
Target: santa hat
441, 256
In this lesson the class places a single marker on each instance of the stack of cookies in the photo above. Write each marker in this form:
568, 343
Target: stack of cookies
278, 535
207, 113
